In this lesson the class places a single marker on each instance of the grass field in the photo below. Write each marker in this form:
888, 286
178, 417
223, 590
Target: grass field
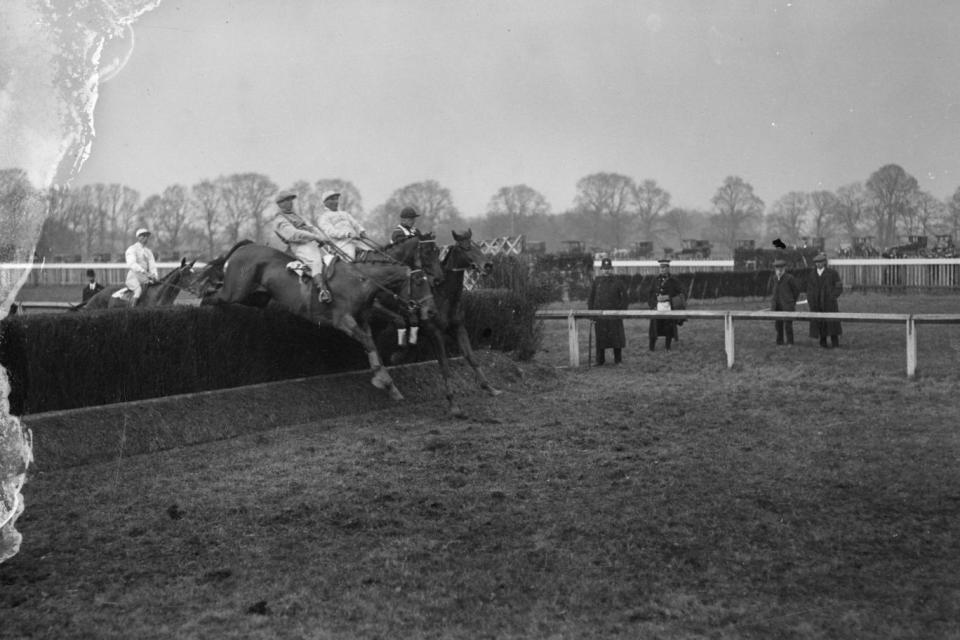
806, 493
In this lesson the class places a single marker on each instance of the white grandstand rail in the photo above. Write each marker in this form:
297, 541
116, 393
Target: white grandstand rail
910, 321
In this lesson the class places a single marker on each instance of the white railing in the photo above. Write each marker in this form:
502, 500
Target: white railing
930, 273
72, 273
910, 321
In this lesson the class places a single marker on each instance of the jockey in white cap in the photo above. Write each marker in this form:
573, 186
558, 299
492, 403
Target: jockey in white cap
142, 265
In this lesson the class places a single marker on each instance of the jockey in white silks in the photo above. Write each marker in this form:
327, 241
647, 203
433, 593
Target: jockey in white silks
339, 228
141, 264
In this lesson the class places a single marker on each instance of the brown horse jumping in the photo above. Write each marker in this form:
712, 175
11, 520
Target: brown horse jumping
254, 274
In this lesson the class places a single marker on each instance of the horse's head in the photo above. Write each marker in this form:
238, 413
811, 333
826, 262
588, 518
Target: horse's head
467, 254
205, 280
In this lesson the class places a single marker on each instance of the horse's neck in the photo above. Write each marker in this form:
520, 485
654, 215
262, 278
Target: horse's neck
452, 287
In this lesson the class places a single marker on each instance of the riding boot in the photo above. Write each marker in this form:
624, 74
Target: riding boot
669, 340
617, 356
601, 356
653, 344
324, 294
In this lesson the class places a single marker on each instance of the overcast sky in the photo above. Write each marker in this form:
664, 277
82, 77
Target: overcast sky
790, 96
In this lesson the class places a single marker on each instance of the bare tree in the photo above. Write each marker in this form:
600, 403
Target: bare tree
651, 204
851, 209
736, 208
518, 203
823, 205
890, 191
208, 211
172, 217
607, 200
120, 203
432, 201
953, 214
246, 196
15, 225
308, 203
788, 216
926, 215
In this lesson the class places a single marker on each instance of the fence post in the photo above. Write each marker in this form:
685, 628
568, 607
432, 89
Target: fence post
728, 338
911, 346
573, 339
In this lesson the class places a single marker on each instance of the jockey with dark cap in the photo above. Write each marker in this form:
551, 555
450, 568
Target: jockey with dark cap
406, 228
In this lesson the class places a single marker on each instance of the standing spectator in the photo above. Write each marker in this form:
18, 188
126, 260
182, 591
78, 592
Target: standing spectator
783, 290
664, 295
92, 287
823, 289
406, 228
142, 266
608, 292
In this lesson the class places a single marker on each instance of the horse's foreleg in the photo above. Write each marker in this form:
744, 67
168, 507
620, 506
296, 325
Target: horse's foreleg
437, 335
463, 341
361, 333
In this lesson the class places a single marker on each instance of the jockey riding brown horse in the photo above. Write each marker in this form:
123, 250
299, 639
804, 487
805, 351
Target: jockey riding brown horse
159, 294
254, 274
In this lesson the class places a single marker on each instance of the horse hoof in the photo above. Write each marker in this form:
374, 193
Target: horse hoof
396, 395
494, 392
457, 412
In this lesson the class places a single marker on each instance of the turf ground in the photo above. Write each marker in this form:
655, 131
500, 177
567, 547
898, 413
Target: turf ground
806, 493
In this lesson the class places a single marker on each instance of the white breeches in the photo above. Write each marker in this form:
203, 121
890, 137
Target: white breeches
310, 254
135, 281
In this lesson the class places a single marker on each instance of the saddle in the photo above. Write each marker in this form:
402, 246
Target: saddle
124, 294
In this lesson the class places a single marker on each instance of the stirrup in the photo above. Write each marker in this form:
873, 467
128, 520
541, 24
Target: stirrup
325, 296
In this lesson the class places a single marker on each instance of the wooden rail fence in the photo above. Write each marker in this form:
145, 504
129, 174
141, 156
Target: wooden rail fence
910, 321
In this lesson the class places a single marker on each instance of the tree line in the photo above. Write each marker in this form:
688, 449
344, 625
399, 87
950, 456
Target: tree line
609, 211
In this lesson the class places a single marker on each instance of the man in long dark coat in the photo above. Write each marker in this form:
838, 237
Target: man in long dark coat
823, 289
608, 292
783, 290
664, 291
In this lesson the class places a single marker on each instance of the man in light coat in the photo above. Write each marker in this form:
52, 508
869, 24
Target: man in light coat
141, 264
340, 228
303, 239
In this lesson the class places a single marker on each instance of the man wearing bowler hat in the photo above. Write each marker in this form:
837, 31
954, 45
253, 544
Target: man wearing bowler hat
303, 239
142, 267
406, 228
783, 290
823, 289
92, 287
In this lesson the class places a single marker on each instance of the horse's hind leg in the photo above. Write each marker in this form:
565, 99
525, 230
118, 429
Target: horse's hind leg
463, 340
381, 378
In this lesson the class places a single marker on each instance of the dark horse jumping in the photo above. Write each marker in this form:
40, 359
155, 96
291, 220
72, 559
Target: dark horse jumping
255, 275
454, 261
159, 294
